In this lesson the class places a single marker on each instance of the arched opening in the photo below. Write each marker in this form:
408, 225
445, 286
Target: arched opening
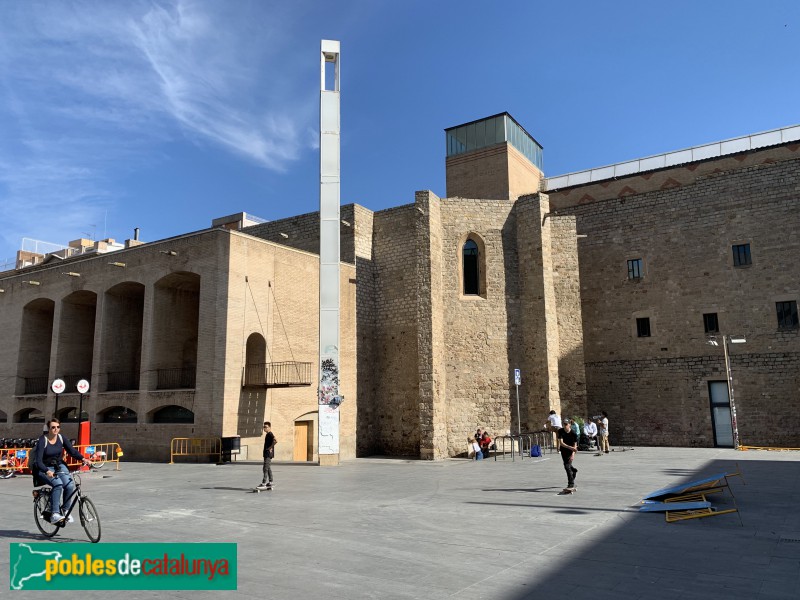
176, 313
172, 414
117, 414
255, 370
29, 415
69, 414
123, 314
3, 417
33, 364
473, 266
76, 337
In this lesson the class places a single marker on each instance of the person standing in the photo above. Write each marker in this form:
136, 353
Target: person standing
602, 434
269, 454
568, 446
552, 425
486, 444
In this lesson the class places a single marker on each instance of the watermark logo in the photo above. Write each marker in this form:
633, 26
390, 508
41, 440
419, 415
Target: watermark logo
122, 566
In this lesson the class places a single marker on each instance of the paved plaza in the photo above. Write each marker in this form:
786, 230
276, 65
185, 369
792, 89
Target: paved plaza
393, 528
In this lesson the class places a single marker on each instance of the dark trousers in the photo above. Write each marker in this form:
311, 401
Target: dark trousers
571, 471
267, 477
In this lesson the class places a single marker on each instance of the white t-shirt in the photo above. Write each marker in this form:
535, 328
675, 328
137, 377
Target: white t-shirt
590, 429
555, 421
476, 447
604, 431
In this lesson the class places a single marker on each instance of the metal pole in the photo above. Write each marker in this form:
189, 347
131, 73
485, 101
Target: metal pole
729, 374
80, 411
519, 421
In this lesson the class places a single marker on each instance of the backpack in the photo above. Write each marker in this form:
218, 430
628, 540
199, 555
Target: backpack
536, 450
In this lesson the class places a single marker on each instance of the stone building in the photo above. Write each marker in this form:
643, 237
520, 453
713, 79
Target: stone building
603, 287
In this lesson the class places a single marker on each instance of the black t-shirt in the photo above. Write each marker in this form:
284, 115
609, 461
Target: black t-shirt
570, 438
268, 442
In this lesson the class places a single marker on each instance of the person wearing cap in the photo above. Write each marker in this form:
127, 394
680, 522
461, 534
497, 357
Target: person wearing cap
568, 446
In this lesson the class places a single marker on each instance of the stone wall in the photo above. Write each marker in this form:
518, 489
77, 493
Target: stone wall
684, 235
395, 343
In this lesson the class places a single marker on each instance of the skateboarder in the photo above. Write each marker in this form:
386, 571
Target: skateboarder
568, 446
269, 454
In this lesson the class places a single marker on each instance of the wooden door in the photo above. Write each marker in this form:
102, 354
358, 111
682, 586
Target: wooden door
303, 449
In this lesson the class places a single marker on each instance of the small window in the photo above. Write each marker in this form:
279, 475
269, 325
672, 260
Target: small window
741, 255
643, 327
787, 315
471, 275
635, 268
710, 323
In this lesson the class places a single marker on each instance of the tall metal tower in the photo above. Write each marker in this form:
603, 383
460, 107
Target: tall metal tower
329, 169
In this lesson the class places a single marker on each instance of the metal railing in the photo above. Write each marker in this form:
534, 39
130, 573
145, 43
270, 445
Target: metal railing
669, 159
118, 381
195, 447
176, 379
35, 385
277, 374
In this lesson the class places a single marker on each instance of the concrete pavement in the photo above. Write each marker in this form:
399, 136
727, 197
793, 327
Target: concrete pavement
393, 528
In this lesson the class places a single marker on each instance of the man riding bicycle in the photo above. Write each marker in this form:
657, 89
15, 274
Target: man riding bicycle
49, 466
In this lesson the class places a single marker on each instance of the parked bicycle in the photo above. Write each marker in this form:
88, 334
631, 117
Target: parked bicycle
98, 457
42, 511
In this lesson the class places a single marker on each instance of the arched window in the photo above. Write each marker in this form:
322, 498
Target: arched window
69, 414
29, 415
173, 414
471, 266
117, 414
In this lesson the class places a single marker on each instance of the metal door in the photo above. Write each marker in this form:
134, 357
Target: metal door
721, 413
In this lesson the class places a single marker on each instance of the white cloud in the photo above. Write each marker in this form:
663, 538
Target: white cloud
89, 90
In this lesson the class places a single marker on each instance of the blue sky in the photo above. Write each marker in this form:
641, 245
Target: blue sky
164, 115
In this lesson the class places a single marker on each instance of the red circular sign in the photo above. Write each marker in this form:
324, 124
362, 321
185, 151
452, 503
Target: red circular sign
58, 386
83, 386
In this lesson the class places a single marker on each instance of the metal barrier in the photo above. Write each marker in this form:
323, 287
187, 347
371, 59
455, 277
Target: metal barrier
519, 444
13, 460
195, 447
100, 454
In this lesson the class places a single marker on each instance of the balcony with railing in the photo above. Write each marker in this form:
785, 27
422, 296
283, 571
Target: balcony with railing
277, 374
36, 386
176, 379
122, 381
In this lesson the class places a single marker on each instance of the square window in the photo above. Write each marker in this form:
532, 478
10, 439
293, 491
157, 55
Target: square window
643, 327
635, 268
741, 255
787, 315
710, 323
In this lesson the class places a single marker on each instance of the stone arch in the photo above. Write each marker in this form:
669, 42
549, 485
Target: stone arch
176, 313
36, 338
29, 415
76, 337
68, 414
117, 414
171, 413
123, 318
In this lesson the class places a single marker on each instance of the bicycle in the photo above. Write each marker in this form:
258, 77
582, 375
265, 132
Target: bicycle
43, 510
98, 457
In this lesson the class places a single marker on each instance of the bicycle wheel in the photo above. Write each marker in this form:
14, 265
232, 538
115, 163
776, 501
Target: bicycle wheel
41, 514
90, 519
97, 461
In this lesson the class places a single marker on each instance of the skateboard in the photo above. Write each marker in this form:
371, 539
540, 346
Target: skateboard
566, 491
259, 490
